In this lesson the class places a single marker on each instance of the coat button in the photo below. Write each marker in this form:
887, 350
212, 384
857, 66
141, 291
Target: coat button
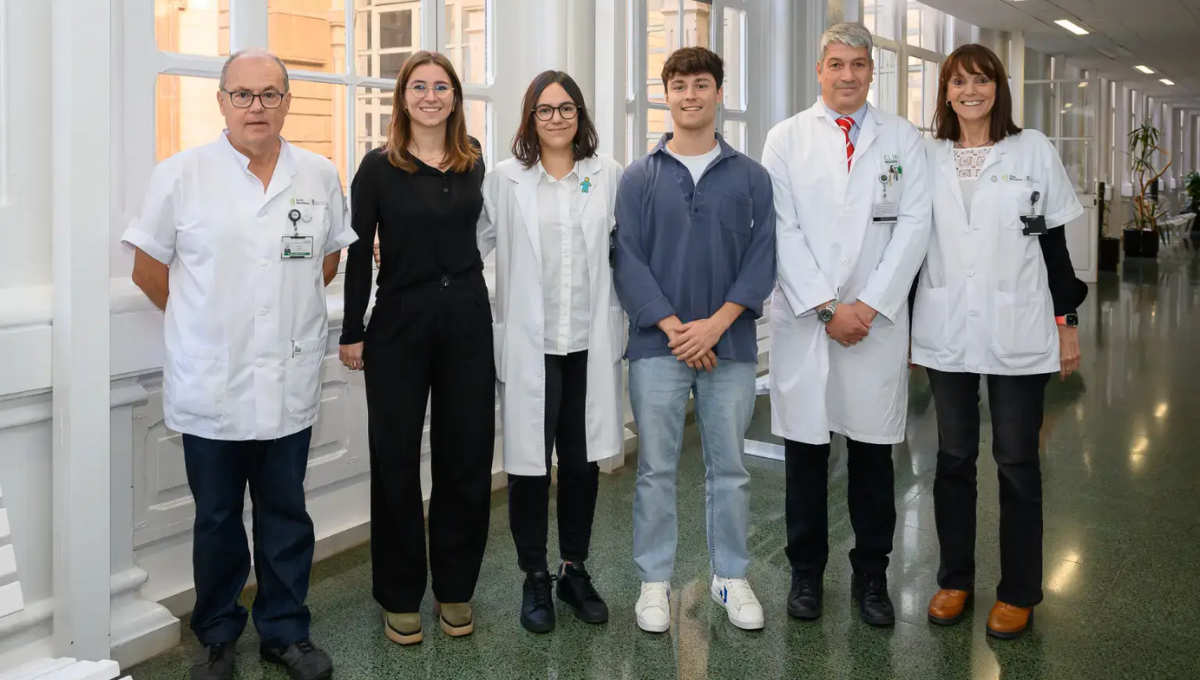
966, 230
845, 260
260, 363
263, 263
970, 272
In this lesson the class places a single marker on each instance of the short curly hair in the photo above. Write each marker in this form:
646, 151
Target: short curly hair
690, 61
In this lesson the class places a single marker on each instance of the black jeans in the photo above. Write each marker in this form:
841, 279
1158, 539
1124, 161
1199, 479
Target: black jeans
218, 473
432, 343
1016, 404
872, 501
578, 480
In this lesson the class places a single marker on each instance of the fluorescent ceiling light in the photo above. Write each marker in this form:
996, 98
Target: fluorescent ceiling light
1145, 69
1164, 81
1071, 27
1068, 105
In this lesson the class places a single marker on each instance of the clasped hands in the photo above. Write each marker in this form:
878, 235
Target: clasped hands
851, 323
692, 342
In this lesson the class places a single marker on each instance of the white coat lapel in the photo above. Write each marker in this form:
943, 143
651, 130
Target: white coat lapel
945, 160
866, 137
592, 180
527, 186
832, 142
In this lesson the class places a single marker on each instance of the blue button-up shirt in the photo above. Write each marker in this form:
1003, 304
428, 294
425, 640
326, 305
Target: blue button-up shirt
687, 249
858, 117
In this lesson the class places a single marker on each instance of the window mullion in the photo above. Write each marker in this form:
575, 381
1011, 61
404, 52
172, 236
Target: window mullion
247, 24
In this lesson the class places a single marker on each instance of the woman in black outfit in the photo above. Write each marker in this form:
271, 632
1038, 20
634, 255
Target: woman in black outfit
430, 332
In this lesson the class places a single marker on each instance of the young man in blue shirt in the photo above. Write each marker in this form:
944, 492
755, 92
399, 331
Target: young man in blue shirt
694, 261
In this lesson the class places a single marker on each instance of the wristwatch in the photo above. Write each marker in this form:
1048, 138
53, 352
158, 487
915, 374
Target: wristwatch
825, 314
1069, 320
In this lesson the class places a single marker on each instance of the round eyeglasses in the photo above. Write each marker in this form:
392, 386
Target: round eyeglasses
546, 112
244, 100
440, 90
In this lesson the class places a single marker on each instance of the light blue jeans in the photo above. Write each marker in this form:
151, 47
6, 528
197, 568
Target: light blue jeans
659, 388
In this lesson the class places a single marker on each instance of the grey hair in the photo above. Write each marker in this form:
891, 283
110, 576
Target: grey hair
254, 52
850, 33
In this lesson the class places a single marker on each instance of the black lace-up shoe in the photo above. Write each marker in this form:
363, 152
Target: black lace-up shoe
537, 607
575, 588
804, 599
214, 662
874, 604
302, 660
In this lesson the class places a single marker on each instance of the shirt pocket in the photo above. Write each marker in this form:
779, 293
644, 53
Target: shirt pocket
302, 376
197, 379
737, 212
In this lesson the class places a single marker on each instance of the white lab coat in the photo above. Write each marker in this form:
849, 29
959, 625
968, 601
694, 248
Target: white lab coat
983, 300
830, 249
509, 225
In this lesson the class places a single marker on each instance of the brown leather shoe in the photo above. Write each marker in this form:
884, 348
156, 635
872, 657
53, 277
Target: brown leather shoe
457, 618
947, 606
1008, 622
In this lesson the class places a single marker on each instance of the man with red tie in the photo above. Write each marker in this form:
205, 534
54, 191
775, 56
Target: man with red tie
852, 227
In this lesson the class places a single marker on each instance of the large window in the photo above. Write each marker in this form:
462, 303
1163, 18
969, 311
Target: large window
919, 38
341, 80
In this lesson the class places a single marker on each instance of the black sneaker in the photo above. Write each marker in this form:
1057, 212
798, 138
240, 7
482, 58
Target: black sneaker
575, 588
804, 599
874, 604
214, 662
537, 607
302, 660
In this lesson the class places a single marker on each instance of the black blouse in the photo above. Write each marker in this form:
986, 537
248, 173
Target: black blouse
426, 221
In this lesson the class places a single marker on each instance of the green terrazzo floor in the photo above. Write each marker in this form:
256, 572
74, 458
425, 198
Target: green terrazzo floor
1122, 539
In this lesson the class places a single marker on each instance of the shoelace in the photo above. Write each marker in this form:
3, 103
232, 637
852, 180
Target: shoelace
806, 587
873, 590
583, 584
305, 646
739, 592
541, 593
656, 596
214, 654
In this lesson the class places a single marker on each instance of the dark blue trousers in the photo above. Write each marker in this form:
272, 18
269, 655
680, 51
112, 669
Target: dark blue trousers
218, 473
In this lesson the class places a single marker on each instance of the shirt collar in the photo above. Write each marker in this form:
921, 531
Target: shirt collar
286, 162
545, 176
726, 150
858, 116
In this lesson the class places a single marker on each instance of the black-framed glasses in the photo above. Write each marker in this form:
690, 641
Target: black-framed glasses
244, 100
546, 112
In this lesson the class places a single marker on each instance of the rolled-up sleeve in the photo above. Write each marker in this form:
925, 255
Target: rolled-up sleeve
756, 275
154, 229
637, 289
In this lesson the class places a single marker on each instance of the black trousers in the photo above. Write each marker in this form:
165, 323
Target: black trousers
872, 501
578, 480
431, 343
1016, 404
218, 473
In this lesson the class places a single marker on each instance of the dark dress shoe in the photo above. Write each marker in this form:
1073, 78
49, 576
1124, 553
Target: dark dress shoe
804, 599
214, 662
301, 659
874, 604
575, 588
537, 608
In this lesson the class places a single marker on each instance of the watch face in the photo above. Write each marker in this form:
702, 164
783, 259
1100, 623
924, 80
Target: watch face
1072, 320
825, 315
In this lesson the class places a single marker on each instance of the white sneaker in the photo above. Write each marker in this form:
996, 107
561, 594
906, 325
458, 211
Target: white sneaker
654, 607
739, 601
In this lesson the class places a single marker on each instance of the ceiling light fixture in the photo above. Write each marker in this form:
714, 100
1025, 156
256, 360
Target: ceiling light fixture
1145, 69
1165, 81
1072, 27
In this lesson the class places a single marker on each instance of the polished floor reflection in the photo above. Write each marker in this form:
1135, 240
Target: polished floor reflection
1122, 539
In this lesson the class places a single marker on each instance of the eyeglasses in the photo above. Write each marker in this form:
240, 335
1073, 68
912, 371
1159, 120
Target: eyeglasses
244, 100
440, 90
546, 112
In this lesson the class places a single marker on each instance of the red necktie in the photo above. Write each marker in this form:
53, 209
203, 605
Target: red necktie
845, 123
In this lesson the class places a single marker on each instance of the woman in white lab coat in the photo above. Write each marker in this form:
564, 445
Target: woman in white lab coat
558, 333
996, 298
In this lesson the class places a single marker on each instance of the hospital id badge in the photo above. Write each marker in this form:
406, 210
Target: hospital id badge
297, 247
885, 213
1035, 225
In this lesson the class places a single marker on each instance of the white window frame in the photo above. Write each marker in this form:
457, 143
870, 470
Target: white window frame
144, 63
943, 39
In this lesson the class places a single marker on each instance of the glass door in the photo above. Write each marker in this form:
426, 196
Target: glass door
1067, 111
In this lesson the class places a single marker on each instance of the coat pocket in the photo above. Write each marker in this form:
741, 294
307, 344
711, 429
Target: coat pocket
498, 351
302, 377
617, 326
930, 311
1024, 324
196, 380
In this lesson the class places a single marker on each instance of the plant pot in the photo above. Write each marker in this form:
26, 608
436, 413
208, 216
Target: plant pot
1141, 243
1110, 253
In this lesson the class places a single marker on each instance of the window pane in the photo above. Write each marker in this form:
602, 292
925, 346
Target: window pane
930, 94
883, 89
186, 114
1077, 159
308, 34
192, 26
735, 58
924, 24
658, 123
317, 121
879, 16
662, 38
697, 24
466, 21
478, 125
386, 33
915, 91
735, 134
372, 109
630, 134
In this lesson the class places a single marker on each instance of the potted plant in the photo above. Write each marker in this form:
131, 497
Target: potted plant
1141, 240
1191, 185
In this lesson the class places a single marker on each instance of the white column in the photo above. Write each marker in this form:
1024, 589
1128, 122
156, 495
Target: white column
609, 77
1016, 74
80, 104
550, 22
247, 25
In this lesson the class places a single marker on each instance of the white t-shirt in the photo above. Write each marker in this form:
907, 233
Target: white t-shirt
245, 328
697, 164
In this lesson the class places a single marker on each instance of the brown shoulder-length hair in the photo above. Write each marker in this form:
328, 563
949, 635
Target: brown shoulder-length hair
974, 60
462, 154
526, 147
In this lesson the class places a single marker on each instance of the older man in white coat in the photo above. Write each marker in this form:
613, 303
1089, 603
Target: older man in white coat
853, 222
